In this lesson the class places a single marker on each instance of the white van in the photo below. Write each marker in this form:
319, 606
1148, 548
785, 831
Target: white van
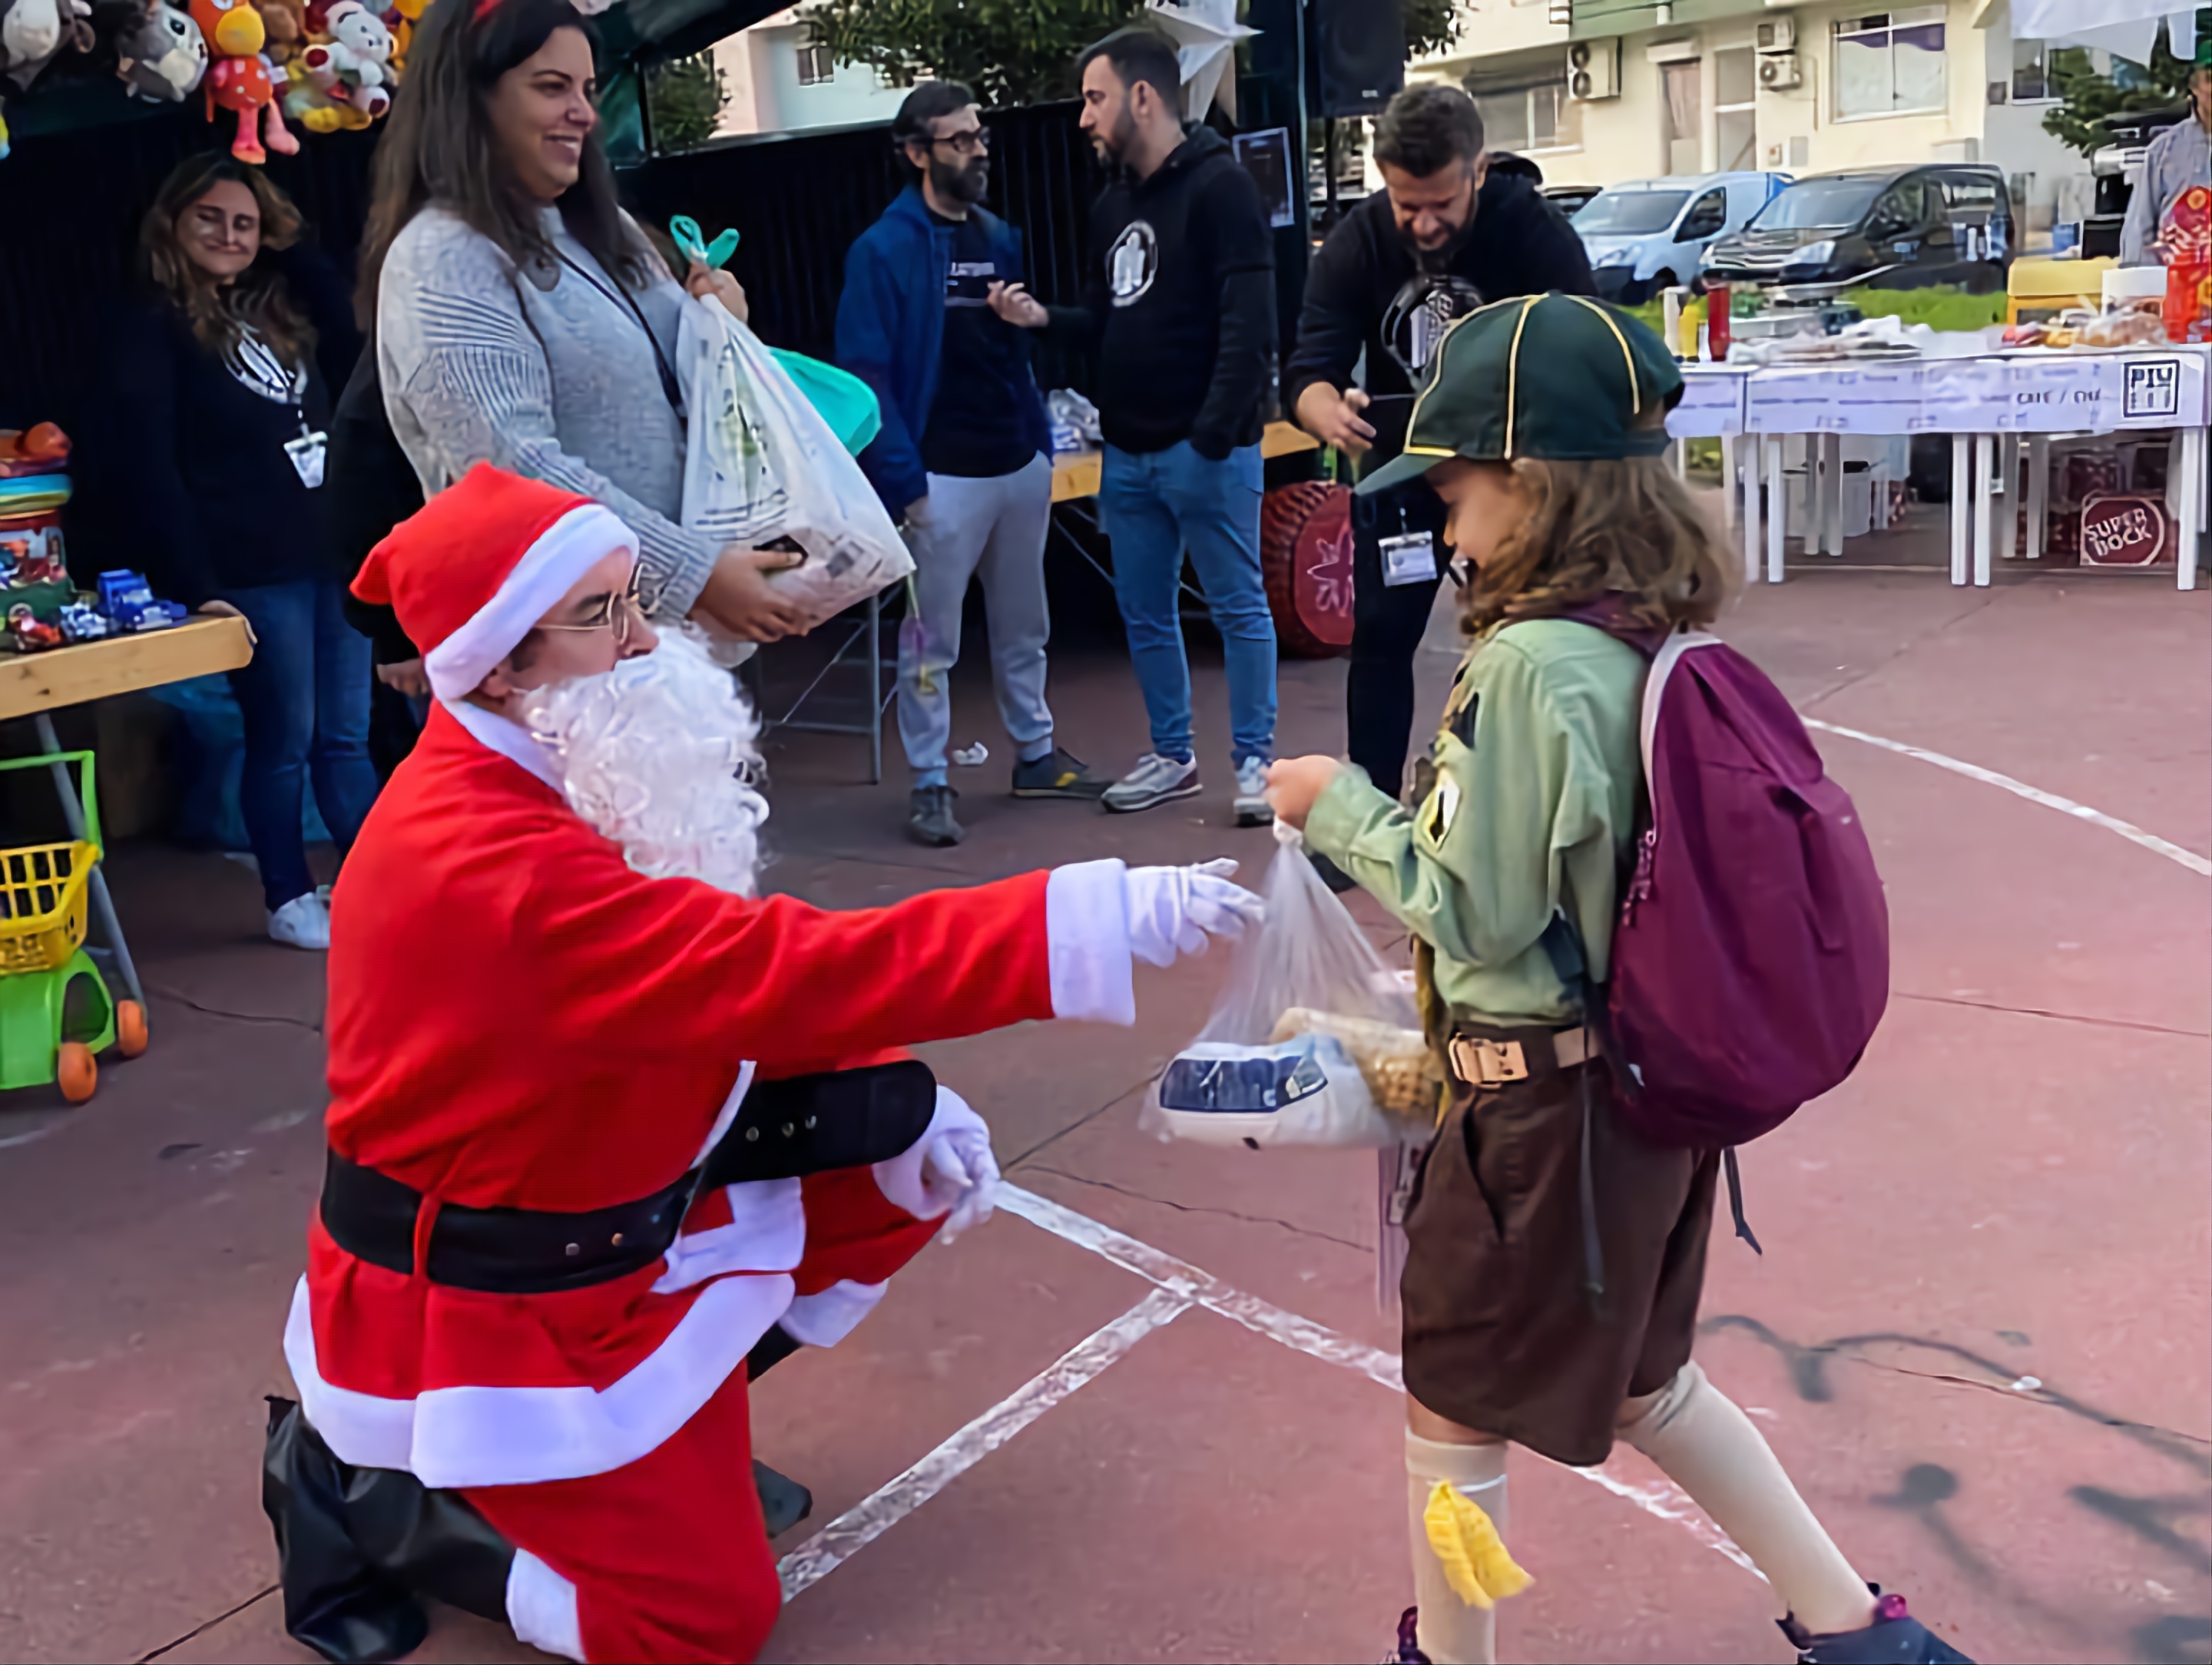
1645, 235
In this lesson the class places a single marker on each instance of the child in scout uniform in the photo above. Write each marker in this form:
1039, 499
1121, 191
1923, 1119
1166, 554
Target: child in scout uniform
1541, 427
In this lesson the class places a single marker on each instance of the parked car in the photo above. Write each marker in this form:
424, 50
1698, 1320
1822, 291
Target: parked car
1646, 235
1903, 228
1570, 199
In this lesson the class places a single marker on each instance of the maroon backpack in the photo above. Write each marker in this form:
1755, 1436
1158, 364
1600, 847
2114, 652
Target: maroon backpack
1750, 962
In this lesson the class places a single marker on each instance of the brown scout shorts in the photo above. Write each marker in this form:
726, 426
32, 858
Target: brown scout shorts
1500, 1334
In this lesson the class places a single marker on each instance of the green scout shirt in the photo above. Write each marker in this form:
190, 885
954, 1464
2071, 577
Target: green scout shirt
1538, 768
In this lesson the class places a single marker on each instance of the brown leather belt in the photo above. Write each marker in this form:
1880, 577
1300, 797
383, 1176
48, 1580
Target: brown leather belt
1481, 1061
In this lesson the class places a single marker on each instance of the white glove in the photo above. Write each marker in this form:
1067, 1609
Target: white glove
959, 1174
1171, 911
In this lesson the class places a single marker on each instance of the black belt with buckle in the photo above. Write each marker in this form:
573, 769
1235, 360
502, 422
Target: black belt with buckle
783, 1129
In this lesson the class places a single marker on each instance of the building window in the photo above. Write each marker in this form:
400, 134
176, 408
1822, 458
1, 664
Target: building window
816, 68
1735, 105
2031, 72
1678, 83
1890, 64
1519, 119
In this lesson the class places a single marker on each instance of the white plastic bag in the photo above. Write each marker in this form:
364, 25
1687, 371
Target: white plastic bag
1307, 992
761, 463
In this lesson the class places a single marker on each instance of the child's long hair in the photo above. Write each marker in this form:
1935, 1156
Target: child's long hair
219, 312
1625, 525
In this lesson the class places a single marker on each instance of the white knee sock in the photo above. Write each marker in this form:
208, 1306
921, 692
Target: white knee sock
1451, 1632
1711, 1450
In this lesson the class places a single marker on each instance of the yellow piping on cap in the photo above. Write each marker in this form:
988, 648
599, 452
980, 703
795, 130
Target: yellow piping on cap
1635, 394
1436, 375
1513, 370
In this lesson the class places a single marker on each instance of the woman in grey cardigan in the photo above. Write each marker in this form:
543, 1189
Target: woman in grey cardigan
520, 317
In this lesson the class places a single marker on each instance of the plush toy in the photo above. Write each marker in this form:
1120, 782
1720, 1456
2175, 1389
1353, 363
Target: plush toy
164, 58
240, 78
354, 63
33, 33
284, 24
401, 18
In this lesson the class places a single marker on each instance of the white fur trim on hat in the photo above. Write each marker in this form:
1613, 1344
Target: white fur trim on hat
549, 568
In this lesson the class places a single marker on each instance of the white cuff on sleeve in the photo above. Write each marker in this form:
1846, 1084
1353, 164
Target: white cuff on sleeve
1087, 929
901, 1178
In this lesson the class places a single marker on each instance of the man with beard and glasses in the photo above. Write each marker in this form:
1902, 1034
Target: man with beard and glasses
964, 454
1181, 310
604, 1121
1444, 236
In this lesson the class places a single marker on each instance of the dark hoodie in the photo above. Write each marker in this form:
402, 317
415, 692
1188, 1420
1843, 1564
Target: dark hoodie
1181, 304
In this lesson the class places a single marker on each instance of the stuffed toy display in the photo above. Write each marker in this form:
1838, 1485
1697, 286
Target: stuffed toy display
163, 59
33, 33
240, 78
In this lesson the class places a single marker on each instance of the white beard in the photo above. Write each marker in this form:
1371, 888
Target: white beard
659, 754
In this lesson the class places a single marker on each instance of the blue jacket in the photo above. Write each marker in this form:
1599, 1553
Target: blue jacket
891, 329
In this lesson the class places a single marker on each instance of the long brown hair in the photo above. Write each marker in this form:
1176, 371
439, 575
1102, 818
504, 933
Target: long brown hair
438, 148
220, 313
1625, 527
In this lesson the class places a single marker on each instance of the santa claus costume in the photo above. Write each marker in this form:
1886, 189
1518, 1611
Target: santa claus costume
528, 1283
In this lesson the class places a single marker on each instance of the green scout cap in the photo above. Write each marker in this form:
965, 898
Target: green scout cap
1554, 376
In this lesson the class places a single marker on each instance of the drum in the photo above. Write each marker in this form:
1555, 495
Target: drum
1305, 555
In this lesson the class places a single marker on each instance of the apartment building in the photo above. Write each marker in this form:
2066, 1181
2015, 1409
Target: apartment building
1600, 90
776, 80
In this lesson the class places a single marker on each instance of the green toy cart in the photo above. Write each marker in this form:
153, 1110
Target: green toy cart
56, 1012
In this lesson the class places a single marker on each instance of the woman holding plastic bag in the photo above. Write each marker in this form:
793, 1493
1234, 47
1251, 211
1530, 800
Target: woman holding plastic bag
520, 316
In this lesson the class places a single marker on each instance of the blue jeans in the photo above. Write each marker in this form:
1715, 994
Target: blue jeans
305, 699
1156, 505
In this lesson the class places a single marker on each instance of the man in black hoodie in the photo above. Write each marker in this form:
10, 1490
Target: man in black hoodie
1444, 236
1180, 306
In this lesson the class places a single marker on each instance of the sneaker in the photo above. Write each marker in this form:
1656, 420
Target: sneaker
1895, 1637
929, 818
1409, 1646
784, 1502
1056, 774
1252, 808
302, 922
1154, 781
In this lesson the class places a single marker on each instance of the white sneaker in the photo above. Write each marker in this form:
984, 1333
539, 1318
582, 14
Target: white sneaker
1154, 781
1252, 810
302, 922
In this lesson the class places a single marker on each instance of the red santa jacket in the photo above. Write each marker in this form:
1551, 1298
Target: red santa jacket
518, 1019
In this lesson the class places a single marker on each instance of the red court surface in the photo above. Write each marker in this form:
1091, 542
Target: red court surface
1144, 1412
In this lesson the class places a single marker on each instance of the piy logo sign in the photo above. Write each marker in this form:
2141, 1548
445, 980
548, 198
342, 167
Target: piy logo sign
2152, 389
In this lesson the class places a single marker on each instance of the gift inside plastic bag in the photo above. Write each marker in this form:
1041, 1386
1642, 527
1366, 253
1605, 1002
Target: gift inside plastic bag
1313, 1040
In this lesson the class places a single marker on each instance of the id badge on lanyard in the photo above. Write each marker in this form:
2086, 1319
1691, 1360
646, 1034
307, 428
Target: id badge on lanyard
307, 454
1408, 558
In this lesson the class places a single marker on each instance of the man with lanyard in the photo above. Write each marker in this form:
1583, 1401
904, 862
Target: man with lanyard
1444, 236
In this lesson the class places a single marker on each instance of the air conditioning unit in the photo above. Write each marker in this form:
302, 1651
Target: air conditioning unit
1776, 34
1778, 72
1594, 70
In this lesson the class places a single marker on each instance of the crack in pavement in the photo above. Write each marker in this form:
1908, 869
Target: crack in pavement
315, 1028
2036, 1395
2057, 1017
1979, 604
1087, 1117
1198, 1208
200, 1630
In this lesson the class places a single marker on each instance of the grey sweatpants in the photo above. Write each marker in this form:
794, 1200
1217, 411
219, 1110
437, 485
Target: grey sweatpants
993, 529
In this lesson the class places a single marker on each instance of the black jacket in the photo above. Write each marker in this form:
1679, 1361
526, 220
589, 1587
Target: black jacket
1181, 304
192, 463
1519, 244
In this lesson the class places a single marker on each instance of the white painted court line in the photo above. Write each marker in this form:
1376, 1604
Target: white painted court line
874, 1516
2134, 834
1661, 1497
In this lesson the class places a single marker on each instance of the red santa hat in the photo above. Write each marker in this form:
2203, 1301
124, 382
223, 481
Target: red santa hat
474, 570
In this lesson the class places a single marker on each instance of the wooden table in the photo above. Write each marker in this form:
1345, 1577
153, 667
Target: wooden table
35, 684
1075, 473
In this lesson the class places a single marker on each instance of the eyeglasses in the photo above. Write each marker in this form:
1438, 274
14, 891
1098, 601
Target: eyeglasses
620, 609
974, 142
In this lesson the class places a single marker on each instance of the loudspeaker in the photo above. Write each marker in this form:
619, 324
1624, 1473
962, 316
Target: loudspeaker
1357, 54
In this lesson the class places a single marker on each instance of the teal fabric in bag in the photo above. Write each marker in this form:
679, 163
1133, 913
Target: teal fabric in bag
845, 402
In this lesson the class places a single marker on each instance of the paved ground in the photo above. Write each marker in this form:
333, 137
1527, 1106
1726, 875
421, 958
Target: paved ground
1979, 1334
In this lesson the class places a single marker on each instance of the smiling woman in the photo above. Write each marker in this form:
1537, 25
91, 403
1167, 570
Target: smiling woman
520, 317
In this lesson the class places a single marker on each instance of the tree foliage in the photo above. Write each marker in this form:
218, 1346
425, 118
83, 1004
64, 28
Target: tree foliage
2088, 97
684, 100
1432, 27
1009, 52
